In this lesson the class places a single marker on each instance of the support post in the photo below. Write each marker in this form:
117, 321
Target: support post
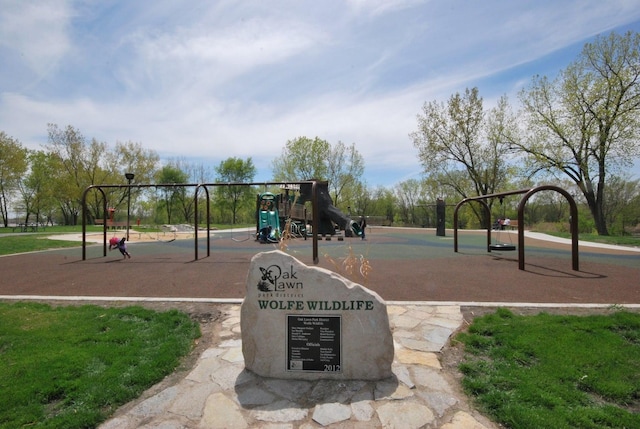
440, 217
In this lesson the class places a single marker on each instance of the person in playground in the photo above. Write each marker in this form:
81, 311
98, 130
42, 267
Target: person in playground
120, 244
265, 235
363, 226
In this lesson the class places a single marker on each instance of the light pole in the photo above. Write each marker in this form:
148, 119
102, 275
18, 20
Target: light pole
129, 177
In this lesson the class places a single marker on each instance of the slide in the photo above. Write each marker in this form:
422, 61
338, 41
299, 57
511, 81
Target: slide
329, 214
268, 220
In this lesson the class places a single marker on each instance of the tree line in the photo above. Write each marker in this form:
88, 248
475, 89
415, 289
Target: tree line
578, 130
581, 127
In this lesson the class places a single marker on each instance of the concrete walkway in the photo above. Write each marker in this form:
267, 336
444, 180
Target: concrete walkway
220, 393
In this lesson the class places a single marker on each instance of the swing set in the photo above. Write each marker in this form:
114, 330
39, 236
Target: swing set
312, 184
499, 226
573, 222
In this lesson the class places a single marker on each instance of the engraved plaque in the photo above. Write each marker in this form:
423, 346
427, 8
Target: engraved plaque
314, 343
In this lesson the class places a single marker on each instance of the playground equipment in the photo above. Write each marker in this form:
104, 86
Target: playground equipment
499, 226
573, 224
328, 214
242, 238
287, 210
498, 245
267, 218
311, 186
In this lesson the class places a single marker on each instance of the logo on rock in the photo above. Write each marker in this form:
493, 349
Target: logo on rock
274, 278
270, 276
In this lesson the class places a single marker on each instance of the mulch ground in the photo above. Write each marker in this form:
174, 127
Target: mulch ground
406, 265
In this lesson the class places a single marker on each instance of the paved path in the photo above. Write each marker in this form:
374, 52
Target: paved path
219, 393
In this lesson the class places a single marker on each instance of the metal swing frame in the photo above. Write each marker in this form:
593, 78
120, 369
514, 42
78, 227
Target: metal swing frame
205, 188
498, 245
528, 193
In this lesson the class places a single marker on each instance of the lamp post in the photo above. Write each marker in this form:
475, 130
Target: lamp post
129, 177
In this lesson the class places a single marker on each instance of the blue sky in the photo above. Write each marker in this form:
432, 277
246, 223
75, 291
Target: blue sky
209, 80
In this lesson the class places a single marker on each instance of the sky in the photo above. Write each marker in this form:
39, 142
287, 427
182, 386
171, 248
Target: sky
204, 81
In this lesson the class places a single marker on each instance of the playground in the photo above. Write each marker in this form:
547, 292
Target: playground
401, 264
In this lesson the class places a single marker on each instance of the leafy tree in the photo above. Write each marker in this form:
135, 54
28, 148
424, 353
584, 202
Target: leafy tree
384, 203
431, 191
130, 157
379, 201
127, 157
462, 145
79, 164
171, 195
408, 199
345, 167
36, 189
183, 197
235, 197
585, 123
621, 206
196, 173
340, 165
361, 200
13, 164
302, 159
416, 201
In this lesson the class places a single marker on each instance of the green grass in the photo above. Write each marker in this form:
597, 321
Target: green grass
549, 371
620, 240
31, 243
72, 367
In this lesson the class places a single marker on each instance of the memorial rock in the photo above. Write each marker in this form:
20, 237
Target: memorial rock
309, 323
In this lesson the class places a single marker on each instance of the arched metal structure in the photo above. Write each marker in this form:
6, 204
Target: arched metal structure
195, 222
573, 223
198, 186
573, 220
100, 188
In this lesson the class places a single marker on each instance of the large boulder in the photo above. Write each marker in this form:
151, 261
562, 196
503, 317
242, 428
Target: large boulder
302, 322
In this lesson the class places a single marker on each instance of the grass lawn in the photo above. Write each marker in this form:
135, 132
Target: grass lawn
30, 243
72, 367
11, 243
620, 240
549, 371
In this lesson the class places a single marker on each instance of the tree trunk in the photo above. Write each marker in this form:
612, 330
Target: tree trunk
595, 206
4, 211
599, 218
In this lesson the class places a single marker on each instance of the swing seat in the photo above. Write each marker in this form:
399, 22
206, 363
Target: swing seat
502, 246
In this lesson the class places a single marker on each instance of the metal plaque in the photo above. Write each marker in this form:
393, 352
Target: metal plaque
314, 343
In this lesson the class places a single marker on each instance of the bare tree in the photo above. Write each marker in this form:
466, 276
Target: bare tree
462, 145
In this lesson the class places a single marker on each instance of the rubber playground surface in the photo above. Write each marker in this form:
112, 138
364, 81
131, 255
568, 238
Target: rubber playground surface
404, 264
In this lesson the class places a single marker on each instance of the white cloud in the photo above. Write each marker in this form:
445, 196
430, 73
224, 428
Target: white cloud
232, 78
252, 43
36, 31
382, 7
